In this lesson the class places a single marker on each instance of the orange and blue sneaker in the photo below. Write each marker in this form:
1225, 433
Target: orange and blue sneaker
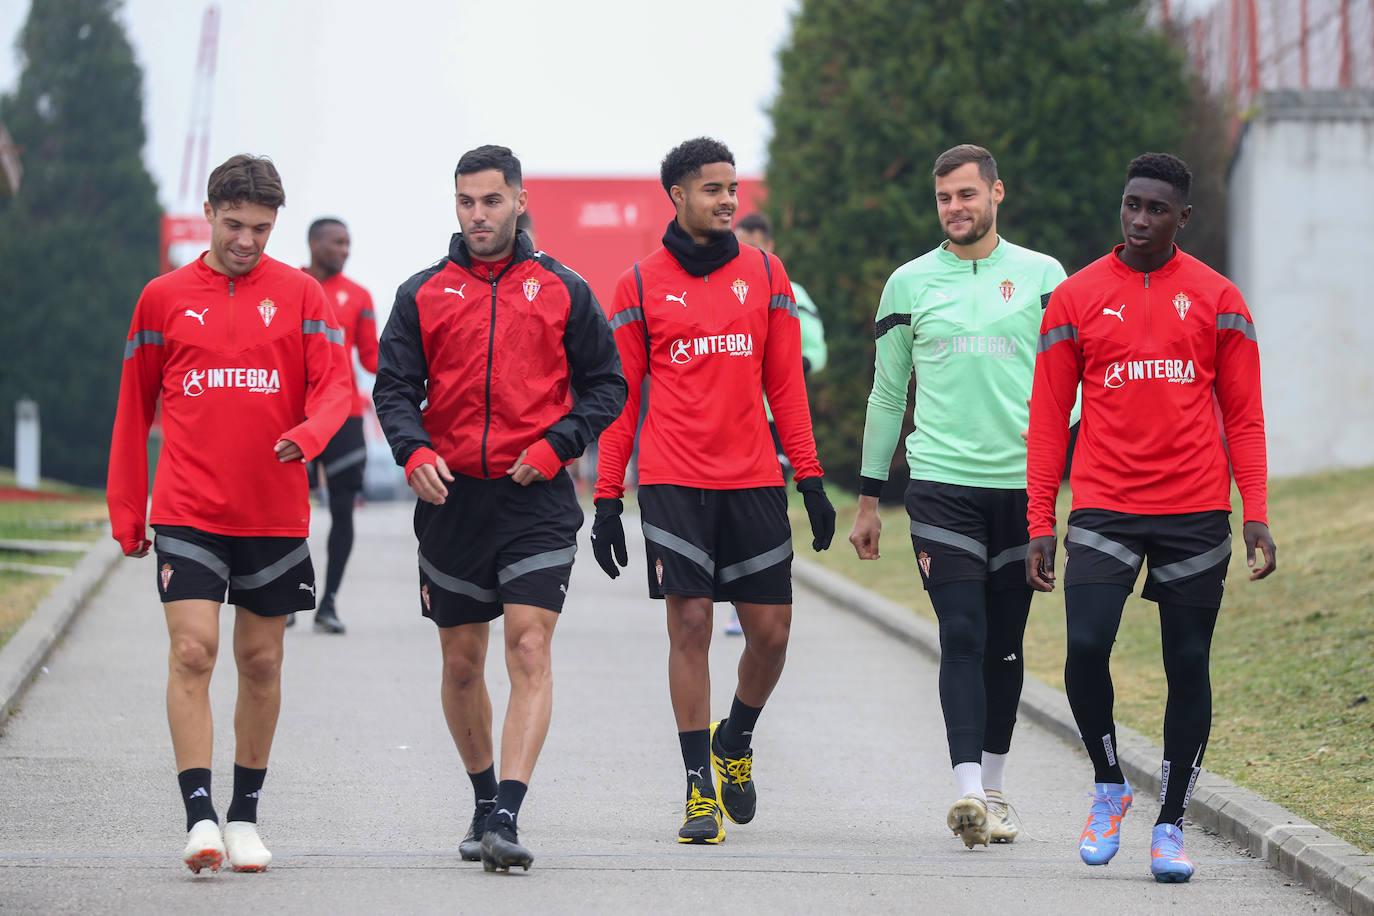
1168, 863
1101, 836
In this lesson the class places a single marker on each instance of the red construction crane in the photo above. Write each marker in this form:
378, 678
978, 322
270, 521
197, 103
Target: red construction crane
185, 234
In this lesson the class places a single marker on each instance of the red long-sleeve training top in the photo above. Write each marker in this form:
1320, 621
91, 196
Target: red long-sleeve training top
239, 363
1150, 350
353, 308
712, 346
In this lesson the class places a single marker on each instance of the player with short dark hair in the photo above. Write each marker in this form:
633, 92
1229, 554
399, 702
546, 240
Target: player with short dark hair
714, 324
497, 369
1155, 337
248, 359
964, 318
340, 466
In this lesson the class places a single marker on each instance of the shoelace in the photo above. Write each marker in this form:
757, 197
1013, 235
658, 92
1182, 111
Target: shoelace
1172, 849
700, 805
1101, 812
479, 820
739, 769
1021, 830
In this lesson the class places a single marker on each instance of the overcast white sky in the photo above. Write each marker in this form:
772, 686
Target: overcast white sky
365, 106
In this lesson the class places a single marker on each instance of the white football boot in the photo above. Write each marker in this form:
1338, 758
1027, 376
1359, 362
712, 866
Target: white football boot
246, 852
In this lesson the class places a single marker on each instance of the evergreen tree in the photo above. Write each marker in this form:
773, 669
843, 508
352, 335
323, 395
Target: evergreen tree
80, 239
1063, 92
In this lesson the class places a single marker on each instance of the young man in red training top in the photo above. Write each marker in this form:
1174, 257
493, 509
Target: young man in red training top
249, 362
1153, 335
714, 324
496, 370
341, 463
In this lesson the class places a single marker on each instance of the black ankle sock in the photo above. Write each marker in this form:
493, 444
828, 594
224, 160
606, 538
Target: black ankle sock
484, 786
247, 787
510, 793
696, 757
195, 793
736, 732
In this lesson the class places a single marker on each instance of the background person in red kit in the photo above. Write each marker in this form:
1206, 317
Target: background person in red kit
342, 462
248, 359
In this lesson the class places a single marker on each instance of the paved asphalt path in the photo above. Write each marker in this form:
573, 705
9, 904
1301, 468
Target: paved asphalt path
366, 798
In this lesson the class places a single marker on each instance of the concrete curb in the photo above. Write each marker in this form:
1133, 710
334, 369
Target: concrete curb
1325, 863
23, 656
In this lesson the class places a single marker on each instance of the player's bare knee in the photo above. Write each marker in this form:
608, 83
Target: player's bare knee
770, 640
462, 673
259, 664
193, 657
528, 654
691, 631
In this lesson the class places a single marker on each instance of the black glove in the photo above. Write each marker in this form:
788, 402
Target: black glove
819, 510
608, 536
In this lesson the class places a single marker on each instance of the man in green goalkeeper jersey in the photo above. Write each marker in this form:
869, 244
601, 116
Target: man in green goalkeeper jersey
965, 318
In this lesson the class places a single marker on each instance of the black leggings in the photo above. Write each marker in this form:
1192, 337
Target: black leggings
981, 668
340, 539
1094, 616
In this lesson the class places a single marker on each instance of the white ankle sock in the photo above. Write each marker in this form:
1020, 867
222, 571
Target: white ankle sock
969, 778
994, 770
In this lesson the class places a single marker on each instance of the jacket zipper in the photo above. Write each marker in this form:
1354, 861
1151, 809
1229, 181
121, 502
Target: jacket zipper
491, 349
232, 323
1149, 324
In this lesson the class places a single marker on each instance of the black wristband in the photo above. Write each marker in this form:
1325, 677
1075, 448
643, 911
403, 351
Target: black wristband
871, 486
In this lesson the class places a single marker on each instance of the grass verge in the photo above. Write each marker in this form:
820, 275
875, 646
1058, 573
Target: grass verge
1292, 660
74, 514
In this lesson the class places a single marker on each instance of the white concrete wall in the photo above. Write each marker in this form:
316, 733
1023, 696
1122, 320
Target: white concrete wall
1302, 253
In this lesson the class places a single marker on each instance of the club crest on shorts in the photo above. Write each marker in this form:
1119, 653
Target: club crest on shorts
923, 559
658, 568
1181, 305
424, 595
268, 310
166, 575
740, 289
531, 287
1008, 289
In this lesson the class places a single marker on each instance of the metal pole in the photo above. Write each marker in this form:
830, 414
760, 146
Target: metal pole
1302, 43
1252, 25
1345, 73
26, 444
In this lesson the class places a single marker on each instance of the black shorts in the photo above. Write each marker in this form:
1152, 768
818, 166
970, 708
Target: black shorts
1188, 554
967, 534
265, 575
726, 545
493, 543
343, 459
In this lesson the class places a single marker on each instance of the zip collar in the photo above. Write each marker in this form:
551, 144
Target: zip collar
1167, 269
949, 259
209, 275
458, 250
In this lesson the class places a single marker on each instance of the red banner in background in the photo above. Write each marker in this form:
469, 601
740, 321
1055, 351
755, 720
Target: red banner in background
181, 239
601, 226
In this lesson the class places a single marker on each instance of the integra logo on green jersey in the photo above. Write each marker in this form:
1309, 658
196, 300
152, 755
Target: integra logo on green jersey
976, 345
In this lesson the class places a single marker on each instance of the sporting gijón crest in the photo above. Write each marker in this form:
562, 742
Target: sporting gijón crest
268, 310
740, 289
1181, 305
1008, 289
531, 287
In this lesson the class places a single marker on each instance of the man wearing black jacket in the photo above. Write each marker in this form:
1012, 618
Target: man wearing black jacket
479, 364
